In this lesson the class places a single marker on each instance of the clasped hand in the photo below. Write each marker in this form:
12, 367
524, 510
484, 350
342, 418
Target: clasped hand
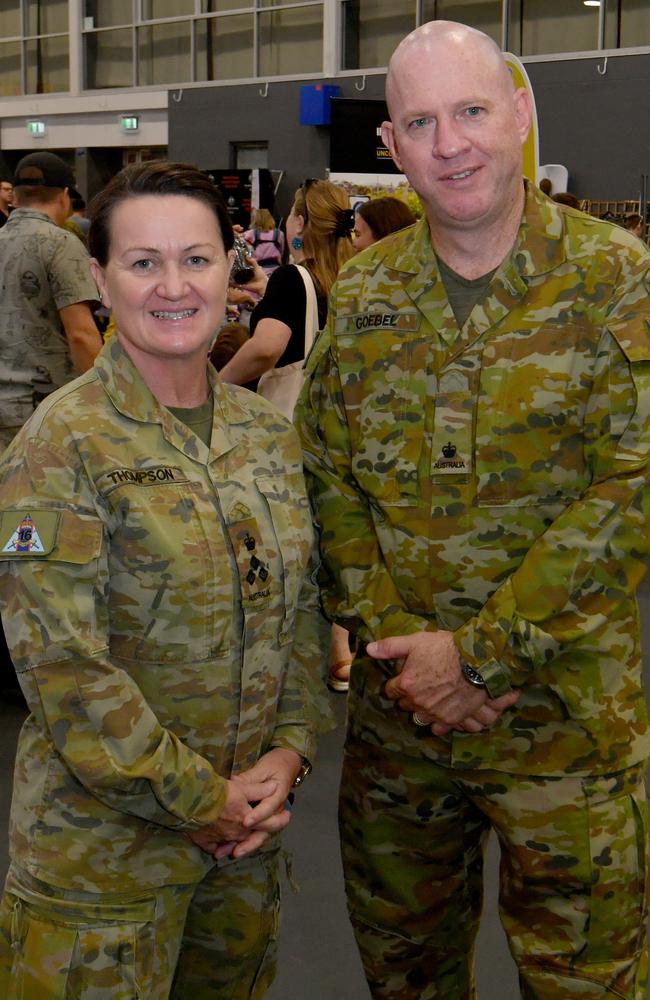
255, 807
430, 682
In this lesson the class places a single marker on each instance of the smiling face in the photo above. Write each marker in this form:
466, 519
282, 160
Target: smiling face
457, 126
166, 277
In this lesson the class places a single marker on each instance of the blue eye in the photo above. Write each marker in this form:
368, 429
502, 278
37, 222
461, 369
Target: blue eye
143, 265
419, 122
474, 111
196, 260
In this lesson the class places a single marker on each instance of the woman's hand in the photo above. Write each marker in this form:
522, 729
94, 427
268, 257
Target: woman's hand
265, 788
259, 281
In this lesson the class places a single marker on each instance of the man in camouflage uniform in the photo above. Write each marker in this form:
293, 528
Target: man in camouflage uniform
47, 332
167, 637
476, 429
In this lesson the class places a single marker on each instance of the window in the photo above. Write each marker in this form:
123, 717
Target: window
225, 48
372, 30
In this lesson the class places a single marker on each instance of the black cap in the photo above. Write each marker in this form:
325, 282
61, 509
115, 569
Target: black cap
45, 170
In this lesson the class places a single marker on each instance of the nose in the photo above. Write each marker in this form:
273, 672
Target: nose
449, 139
172, 284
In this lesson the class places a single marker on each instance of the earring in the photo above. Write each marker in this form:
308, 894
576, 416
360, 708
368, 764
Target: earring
296, 243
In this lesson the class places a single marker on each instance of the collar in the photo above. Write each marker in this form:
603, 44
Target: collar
29, 213
132, 397
538, 248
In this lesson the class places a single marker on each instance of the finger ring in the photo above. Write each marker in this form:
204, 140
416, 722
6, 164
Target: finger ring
419, 721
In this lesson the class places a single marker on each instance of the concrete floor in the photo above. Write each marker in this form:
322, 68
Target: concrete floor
318, 959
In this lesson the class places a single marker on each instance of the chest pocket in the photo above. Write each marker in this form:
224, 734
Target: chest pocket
383, 373
170, 571
534, 390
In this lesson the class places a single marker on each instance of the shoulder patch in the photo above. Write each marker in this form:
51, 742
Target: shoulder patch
23, 534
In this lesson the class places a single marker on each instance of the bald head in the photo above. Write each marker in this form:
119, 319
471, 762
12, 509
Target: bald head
457, 128
428, 42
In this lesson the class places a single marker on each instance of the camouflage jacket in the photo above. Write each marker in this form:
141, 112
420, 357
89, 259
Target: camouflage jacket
43, 269
162, 618
492, 481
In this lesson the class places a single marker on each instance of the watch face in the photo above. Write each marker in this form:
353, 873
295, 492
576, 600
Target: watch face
472, 675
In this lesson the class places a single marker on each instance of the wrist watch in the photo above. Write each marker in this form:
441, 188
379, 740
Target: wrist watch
472, 676
304, 772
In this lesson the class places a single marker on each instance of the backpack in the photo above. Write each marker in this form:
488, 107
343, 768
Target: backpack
266, 248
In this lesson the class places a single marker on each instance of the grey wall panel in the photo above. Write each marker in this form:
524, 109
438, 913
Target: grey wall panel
204, 123
597, 126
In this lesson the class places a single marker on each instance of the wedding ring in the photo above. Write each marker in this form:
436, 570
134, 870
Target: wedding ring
419, 721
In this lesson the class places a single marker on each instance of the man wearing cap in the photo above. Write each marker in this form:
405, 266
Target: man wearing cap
47, 332
476, 429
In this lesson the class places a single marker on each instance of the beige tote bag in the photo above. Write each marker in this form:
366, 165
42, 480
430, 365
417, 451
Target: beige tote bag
281, 386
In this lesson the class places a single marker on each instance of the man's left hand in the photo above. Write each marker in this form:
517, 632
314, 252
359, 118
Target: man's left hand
431, 683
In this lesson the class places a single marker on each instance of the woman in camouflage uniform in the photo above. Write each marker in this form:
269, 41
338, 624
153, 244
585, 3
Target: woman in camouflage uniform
155, 541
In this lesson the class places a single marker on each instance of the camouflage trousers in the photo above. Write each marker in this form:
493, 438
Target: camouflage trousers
573, 878
211, 941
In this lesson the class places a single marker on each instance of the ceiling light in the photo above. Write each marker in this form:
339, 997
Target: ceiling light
591, 3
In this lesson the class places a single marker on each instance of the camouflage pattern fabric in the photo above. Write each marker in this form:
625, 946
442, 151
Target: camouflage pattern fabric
157, 597
43, 269
59, 945
493, 482
573, 876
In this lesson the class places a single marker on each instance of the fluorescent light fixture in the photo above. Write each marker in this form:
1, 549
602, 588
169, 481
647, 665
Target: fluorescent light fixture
591, 3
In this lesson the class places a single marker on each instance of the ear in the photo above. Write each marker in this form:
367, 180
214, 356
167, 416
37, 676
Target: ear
300, 223
388, 139
97, 272
523, 112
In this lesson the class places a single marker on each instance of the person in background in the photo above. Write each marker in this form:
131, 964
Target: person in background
634, 224
156, 584
318, 229
79, 214
6, 199
47, 331
476, 432
266, 241
566, 198
377, 218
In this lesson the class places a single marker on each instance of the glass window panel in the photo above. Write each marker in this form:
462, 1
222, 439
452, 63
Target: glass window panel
105, 15
291, 41
164, 53
224, 48
154, 9
215, 6
556, 26
635, 23
44, 17
47, 65
109, 59
373, 29
482, 14
10, 84
10, 20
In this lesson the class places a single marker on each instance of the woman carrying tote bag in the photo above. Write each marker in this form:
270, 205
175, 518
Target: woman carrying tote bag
294, 306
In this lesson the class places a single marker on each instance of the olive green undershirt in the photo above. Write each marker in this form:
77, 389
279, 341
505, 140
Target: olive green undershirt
197, 418
463, 293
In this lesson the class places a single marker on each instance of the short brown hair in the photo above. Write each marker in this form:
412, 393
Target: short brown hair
157, 177
34, 194
385, 215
